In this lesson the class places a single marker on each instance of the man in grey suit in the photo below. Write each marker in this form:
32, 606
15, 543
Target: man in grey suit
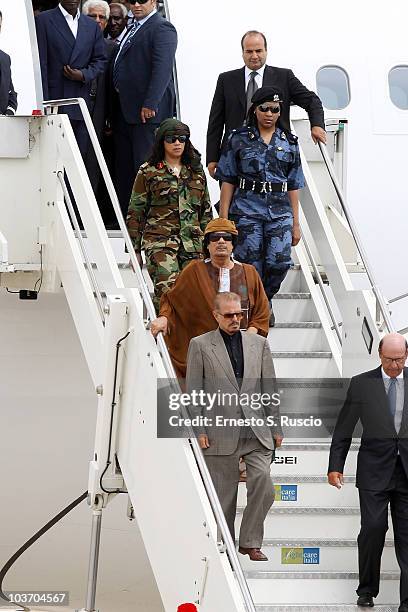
237, 368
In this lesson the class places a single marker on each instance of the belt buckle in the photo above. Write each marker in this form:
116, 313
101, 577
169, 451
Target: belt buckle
284, 187
263, 190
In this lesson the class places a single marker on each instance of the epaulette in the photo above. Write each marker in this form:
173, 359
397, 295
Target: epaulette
245, 130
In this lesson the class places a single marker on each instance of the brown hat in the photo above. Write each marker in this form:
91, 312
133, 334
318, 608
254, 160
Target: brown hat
221, 225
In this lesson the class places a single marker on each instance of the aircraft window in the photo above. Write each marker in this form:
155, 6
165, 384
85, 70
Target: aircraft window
333, 87
398, 84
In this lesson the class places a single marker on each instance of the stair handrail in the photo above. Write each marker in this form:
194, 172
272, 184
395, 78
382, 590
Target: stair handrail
168, 365
381, 303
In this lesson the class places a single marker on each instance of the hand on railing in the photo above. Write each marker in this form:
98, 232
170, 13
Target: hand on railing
159, 325
318, 134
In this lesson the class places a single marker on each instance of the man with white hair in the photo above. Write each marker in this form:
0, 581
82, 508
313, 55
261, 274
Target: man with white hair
379, 400
117, 24
98, 10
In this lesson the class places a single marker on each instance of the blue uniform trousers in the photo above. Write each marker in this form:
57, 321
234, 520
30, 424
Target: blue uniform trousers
266, 244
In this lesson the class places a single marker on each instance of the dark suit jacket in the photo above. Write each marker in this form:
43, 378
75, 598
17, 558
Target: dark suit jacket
143, 71
228, 107
8, 96
367, 401
58, 47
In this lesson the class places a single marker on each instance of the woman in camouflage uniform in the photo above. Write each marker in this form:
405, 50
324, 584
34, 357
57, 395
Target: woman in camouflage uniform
170, 206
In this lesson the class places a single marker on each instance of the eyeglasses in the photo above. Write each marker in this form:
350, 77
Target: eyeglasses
398, 360
215, 237
138, 1
231, 315
272, 109
172, 139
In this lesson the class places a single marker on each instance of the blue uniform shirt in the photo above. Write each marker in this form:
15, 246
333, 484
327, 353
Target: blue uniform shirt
248, 156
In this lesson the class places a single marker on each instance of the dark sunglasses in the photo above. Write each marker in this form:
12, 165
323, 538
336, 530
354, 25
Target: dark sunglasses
172, 139
216, 237
272, 109
138, 1
231, 315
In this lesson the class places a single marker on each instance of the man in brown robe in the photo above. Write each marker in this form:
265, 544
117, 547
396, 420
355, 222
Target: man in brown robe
186, 309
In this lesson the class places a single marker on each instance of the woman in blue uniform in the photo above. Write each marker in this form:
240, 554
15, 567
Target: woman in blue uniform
261, 174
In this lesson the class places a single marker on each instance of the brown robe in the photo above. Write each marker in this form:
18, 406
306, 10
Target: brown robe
188, 306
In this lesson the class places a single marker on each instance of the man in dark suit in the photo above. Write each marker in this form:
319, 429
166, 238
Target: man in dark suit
8, 97
379, 399
237, 366
72, 55
235, 89
143, 92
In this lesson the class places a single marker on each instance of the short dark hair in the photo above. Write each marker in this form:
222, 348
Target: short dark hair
253, 33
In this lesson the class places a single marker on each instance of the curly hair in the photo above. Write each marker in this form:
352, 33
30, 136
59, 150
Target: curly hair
190, 157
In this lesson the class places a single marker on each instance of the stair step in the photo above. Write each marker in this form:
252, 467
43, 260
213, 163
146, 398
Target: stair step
302, 478
316, 542
295, 295
302, 355
320, 608
311, 511
313, 446
310, 575
299, 325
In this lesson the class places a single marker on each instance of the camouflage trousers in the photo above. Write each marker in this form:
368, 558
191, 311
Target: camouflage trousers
163, 264
266, 244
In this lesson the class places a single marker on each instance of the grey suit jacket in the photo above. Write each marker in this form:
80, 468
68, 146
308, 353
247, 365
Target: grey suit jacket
209, 369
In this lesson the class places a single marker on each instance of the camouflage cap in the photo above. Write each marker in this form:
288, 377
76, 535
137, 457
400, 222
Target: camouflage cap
171, 126
267, 94
221, 225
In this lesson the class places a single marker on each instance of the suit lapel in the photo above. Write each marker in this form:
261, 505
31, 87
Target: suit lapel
221, 353
148, 24
249, 359
63, 28
268, 76
240, 87
382, 397
404, 422
82, 39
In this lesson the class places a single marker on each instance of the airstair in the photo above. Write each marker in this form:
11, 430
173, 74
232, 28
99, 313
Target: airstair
310, 524
327, 328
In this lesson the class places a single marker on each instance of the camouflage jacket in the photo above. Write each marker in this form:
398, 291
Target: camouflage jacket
248, 156
164, 207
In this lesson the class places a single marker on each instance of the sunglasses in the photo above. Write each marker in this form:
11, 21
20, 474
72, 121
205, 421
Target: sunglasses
138, 1
231, 315
216, 237
272, 109
172, 139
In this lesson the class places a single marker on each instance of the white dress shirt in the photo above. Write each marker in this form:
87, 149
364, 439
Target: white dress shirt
71, 21
258, 78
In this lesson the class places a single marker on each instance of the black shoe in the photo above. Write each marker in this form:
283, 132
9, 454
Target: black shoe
403, 606
365, 601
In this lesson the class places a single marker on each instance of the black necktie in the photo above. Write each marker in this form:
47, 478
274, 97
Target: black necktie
251, 89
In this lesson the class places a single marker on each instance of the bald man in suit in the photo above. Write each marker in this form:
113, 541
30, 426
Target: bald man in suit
235, 89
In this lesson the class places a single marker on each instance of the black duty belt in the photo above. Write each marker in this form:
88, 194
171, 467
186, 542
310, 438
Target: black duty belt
261, 186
